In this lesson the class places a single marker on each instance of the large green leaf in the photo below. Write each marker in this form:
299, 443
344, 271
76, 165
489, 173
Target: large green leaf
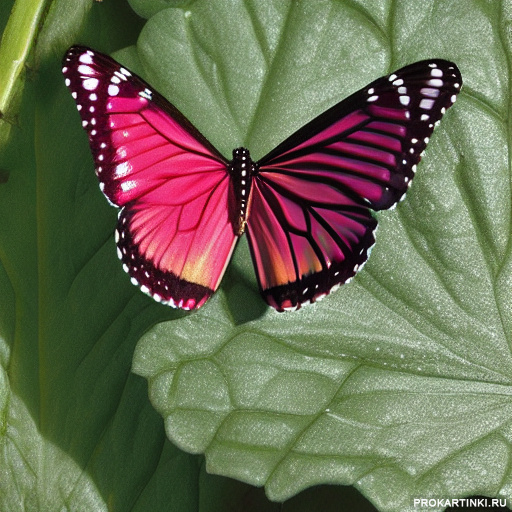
397, 384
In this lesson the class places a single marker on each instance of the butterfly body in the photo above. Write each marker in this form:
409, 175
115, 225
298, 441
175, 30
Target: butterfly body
241, 170
306, 206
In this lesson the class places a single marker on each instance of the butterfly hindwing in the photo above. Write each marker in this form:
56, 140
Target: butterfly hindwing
310, 226
175, 233
303, 243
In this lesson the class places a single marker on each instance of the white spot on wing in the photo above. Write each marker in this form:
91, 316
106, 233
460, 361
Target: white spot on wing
119, 75
85, 58
146, 94
426, 104
123, 169
90, 84
85, 70
113, 90
128, 185
430, 92
435, 82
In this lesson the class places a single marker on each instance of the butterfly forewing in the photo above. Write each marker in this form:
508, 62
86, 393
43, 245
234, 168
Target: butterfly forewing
310, 227
175, 233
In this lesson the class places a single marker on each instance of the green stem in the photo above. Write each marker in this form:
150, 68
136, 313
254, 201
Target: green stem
15, 45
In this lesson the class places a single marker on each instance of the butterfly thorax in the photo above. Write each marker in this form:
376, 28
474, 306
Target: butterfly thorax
241, 170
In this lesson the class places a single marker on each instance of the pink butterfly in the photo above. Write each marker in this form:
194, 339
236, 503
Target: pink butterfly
305, 206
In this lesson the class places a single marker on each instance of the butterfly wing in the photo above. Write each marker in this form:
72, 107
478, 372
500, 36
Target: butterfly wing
175, 232
309, 226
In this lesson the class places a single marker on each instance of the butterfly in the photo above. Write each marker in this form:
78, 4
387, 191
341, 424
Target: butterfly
306, 206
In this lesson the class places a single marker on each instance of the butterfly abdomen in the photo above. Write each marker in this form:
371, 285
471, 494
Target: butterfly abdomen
241, 169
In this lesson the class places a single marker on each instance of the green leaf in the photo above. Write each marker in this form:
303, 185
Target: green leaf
397, 384
148, 8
